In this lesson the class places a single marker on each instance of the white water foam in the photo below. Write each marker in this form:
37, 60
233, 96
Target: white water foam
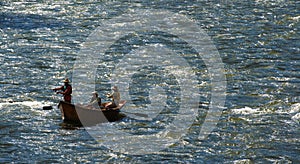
296, 118
295, 110
31, 104
246, 110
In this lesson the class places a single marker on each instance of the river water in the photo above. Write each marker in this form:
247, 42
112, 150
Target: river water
259, 45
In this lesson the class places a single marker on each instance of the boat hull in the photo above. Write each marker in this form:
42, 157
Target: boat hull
79, 114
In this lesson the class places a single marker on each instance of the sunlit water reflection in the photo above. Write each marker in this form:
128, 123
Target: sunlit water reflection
258, 42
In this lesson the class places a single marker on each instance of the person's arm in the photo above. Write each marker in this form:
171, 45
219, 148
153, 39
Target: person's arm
67, 91
58, 88
94, 102
109, 95
92, 99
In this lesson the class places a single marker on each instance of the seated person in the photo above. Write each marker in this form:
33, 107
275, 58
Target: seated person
115, 98
95, 101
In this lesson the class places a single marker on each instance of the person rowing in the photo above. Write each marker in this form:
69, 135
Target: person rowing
115, 95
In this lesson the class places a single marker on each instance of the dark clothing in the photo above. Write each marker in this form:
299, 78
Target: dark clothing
66, 91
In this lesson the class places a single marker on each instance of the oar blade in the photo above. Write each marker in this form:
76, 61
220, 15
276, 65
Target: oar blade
47, 107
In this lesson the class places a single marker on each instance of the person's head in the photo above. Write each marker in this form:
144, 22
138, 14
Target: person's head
95, 94
114, 88
66, 81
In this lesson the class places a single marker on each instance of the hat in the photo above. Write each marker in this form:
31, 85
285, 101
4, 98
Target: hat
95, 93
66, 80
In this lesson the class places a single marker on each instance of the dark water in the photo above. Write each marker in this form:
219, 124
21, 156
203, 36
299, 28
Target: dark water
258, 41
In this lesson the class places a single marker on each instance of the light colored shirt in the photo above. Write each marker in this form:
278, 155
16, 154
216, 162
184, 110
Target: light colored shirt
116, 98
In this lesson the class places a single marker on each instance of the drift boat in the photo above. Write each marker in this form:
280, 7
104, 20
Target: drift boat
87, 116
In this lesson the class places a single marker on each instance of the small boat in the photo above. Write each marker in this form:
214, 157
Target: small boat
87, 115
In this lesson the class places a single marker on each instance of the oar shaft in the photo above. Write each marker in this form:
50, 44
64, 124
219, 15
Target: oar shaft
137, 114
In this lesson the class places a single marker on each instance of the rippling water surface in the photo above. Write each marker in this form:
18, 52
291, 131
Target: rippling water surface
259, 44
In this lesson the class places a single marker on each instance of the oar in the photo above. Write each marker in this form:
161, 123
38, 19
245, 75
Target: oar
48, 107
137, 114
